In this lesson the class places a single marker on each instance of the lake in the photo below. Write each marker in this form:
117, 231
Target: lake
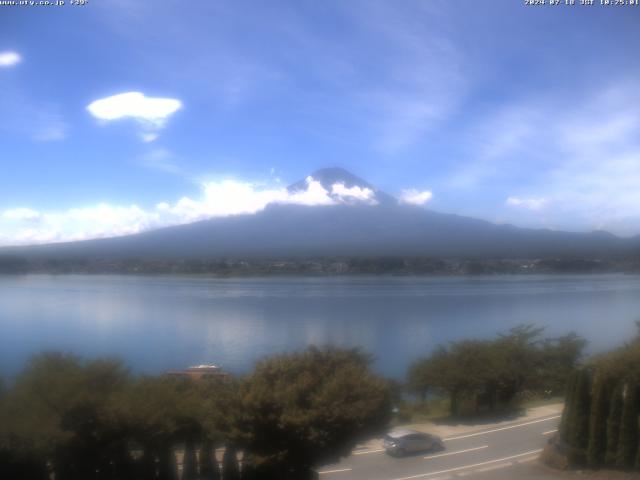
159, 323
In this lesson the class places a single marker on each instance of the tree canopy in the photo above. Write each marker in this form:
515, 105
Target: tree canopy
490, 374
93, 419
300, 409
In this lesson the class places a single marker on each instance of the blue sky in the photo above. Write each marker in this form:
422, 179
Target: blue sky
120, 116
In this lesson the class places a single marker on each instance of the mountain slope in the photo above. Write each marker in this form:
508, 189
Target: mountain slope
360, 229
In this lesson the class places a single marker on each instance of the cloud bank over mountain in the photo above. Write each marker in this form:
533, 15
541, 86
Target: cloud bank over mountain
24, 226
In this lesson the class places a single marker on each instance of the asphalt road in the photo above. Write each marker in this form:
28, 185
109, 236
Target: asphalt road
470, 455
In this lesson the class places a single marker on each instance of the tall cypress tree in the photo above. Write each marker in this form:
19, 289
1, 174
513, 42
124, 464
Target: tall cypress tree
566, 420
579, 429
598, 423
613, 426
628, 443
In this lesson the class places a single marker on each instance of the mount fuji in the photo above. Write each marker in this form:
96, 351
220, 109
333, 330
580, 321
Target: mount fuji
358, 219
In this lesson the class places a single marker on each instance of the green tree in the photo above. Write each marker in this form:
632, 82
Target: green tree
519, 361
491, 374
57, 415
426, 375
613, 426
464, 372
566, 422
559, 357
299, 410
598, 423
579, 436
628, 443
159, 413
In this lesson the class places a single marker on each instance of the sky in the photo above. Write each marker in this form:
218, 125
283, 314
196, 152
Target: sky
120, 116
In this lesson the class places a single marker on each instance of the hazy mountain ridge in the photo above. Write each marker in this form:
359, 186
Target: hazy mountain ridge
357, 229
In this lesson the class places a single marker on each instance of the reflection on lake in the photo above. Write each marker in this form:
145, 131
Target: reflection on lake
158, 323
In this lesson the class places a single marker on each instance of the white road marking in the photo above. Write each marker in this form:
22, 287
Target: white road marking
369, 451
465, 467
503, 428
455, 453
496, 467
550, 432
324, 472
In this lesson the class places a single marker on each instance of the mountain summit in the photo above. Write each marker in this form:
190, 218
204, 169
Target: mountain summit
338, 181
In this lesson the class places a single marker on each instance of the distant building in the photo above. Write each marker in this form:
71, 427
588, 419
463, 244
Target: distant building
200, 372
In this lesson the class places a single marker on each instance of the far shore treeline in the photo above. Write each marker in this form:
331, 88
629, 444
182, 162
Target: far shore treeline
362, 265
93, 419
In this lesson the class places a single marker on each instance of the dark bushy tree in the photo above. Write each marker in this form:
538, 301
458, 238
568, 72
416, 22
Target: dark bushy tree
58, 414
302, 409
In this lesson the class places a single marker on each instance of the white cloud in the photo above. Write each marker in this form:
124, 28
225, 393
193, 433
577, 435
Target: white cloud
151, 113
9, 59
223, 198
415, 197
353, 194
21, 213
531, 203
217, 199
315, 194
134, 105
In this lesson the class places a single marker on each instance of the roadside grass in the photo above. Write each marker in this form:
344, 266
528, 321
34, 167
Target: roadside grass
421, 412
437, 410
541, 402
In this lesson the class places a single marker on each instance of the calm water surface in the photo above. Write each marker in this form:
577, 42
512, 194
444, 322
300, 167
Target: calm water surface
158, 323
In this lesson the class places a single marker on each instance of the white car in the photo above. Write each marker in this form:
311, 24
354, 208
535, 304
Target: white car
402, 441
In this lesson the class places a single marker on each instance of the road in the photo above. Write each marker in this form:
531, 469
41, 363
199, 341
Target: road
468, 455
